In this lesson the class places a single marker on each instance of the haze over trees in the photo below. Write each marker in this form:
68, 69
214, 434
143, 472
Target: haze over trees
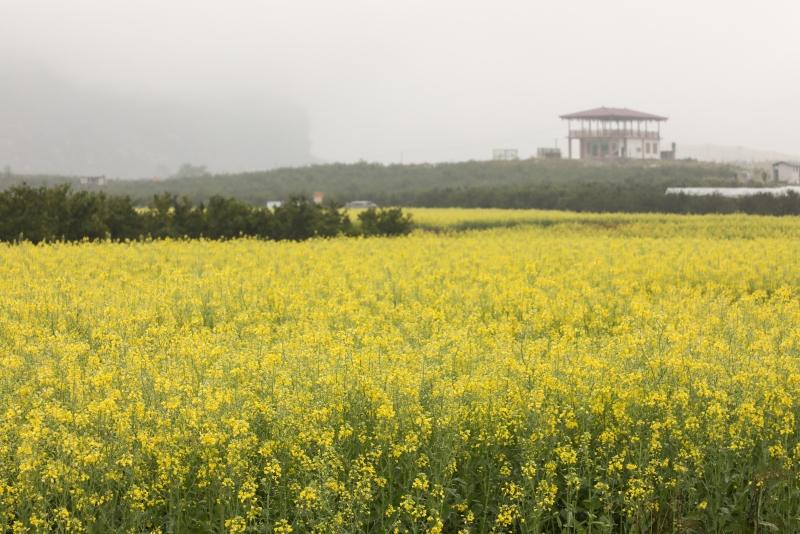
631, 187
49, 125
514, 184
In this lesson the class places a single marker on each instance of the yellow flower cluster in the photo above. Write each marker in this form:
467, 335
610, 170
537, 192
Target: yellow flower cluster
587, 373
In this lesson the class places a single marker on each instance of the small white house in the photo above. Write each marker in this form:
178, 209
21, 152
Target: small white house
93, 180
505, 154
786, 172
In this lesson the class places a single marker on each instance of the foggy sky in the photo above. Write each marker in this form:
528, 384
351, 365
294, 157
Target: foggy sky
436, 80
49, 125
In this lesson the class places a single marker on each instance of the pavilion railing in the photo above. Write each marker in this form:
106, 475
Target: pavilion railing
614, 133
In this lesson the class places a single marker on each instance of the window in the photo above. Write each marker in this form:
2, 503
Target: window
647, 147
655, 148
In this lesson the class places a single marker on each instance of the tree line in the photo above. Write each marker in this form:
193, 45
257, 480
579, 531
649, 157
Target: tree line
598, 197
625, 187
414, 184
58, 213
62, 213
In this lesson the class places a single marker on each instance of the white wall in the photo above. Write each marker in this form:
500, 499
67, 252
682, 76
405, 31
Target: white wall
637, 149
789, 173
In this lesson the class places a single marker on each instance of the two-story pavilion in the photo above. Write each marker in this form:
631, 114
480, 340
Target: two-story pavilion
608, 133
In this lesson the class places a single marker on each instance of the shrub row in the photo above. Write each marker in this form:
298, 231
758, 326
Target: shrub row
49, 214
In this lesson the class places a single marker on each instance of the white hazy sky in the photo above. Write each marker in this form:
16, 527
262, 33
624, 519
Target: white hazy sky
440, 80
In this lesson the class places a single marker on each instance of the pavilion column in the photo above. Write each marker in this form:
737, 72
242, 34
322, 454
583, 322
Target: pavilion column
641, 140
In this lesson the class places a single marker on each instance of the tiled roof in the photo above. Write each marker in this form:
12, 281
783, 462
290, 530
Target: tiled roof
613, 114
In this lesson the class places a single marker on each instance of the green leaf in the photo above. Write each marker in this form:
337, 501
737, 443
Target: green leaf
773, 527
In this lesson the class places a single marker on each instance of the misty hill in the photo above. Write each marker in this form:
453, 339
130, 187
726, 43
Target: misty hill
49, 125
733, 154
514, 184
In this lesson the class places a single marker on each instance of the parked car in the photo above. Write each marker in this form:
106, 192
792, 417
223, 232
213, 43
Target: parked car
361, 204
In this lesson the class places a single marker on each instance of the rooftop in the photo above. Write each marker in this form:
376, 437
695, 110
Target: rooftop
613, 114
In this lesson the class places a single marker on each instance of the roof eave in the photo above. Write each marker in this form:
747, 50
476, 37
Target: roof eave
615, 118
612, 114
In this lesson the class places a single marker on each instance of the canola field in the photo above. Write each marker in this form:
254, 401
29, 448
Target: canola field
586, 374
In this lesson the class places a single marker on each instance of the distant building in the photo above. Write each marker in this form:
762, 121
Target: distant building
318, 197
272, 204
93, 180
504, 154
611, 133
548, 153
786, 172
668, 154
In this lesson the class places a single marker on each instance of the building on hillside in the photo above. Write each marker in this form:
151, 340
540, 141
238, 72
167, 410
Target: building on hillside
504, 154
786, 172
614, 133
669, 154
548, 153
93, 180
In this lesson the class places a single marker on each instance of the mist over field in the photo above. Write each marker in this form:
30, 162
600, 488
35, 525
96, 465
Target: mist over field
52, 125
137, 89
